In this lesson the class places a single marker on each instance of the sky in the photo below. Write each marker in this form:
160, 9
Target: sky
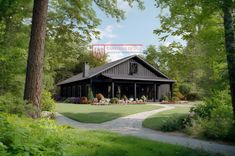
137, 28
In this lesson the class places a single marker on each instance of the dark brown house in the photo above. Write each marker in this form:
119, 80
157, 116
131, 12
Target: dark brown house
131, 76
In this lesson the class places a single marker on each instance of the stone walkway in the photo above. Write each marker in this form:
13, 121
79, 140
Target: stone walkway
132, 125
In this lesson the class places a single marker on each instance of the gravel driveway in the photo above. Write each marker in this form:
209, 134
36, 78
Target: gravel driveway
132, 125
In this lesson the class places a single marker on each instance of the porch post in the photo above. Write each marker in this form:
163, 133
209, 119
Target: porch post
155, 92
135, 91
112, 89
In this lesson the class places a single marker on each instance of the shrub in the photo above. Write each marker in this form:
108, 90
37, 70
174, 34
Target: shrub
24, 136
217, 99
99, 97
218, 126
185, 89
193, 96
47, 103
114, 100
75, 100
13, 105
179, 96
165, 98
175, 99
173, 123
84, 100
144, 98
214, 118
90, 94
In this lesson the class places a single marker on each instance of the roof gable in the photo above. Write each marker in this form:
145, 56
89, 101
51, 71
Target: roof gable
102, 69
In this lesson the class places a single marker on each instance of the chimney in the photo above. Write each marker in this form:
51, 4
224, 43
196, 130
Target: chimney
86, 69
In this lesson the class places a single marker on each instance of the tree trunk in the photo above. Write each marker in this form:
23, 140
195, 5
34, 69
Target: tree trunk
33, 82
230, 48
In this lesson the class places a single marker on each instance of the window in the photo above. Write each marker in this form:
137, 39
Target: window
133, 68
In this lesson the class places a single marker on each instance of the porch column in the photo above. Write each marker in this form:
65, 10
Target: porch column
112, 89
135, 91
155, 92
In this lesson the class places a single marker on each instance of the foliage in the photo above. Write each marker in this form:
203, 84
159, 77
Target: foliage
90, 94
71, 26
14, 105
75, 100
220, 123
218, 98
179, 96
144, 98
165, 98
24, 136
203, 63
173, 123
175, 98
114, 100
13, 44
185, 89
47, 103
99, 97
193, 96
213, 119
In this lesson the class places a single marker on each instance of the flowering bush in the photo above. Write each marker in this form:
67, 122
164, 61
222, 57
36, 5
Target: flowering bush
84, 100
99, 97
75, 100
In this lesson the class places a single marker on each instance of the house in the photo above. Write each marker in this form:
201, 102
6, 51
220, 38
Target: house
131, 76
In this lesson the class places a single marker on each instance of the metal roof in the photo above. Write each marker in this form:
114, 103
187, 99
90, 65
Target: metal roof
98, 70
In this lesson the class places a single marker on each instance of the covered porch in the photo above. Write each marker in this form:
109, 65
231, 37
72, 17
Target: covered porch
130, 89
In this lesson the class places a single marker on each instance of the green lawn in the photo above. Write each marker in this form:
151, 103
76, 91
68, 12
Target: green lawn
99, 143
156, 121
99, 114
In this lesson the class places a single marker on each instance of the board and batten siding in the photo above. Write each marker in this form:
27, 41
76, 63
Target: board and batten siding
123, 69
164, 90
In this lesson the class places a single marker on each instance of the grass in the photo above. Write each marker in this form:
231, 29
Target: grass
111, 144
99, 114
156, 121
25, 136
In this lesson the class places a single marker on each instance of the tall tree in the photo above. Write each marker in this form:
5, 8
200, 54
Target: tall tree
34, 71
228, 7
188, 17
76, 16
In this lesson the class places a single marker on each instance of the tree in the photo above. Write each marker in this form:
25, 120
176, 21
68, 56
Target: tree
13, 44
33, 82
78, 17
188, 17
228, 7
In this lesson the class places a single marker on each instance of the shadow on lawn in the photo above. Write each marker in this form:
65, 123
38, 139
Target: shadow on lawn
93, 117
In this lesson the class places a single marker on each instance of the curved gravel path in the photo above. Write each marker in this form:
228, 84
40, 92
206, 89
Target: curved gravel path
132, 125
